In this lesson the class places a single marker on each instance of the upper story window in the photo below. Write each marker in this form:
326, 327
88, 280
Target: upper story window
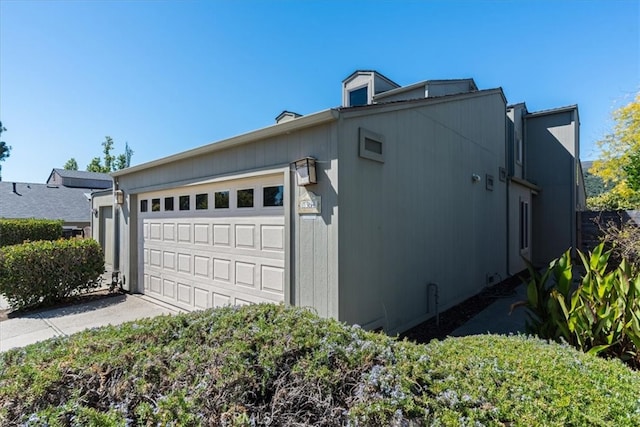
359, 97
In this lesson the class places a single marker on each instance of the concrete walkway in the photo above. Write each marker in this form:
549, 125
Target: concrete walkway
495, 319
113, 310
39, 326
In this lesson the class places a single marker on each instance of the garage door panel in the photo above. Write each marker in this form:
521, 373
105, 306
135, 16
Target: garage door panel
200, 259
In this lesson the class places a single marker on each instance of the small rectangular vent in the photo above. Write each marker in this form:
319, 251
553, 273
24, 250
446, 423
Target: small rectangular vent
371, 145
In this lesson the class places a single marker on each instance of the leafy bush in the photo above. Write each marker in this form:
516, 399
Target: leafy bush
45, 272
276, 365
600, 316
16, 231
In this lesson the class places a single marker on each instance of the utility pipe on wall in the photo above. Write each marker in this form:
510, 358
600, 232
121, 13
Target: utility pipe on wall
436, 297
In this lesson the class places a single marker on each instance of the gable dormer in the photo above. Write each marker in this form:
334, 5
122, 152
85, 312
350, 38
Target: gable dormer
361, 87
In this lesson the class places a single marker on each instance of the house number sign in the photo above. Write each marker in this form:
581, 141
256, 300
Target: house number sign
309, 203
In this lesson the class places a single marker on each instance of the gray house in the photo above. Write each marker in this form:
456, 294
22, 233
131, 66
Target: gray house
362, 212
65, 196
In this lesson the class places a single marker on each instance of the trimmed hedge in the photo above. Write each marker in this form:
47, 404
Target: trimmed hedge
16, 231
275, 365
45, 272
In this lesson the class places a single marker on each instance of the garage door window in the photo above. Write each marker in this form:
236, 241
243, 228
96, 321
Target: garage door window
202, 201
184, 203
245, 198
168, 203
144, 205
222, 199
155, 205
273, 196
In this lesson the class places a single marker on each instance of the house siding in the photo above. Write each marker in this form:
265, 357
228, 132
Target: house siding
552, 150
387, 253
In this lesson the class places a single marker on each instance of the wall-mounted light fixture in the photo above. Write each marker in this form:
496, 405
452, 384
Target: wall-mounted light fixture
475, 177
305, 171
119, 197
95, 212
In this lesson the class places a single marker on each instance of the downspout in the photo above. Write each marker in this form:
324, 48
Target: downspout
116, 238
507, 181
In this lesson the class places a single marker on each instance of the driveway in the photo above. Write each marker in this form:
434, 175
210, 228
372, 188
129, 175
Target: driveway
41, 325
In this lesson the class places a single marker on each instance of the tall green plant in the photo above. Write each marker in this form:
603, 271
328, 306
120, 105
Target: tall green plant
600, 316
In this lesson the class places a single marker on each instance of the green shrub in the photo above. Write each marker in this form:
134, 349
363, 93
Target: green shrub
16, 231
276, 365
45, 272
600, 316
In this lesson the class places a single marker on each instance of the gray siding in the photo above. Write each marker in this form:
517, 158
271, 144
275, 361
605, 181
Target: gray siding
313, 252
418, 217
551, 150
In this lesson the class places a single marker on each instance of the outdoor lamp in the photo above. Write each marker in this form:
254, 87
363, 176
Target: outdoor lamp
119, 196
306, 171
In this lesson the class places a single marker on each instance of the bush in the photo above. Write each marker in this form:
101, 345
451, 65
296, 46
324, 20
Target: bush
16, 231
623, 238
276, 365
45, 272
600, 316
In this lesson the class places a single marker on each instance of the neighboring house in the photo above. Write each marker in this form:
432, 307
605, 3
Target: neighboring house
80, 179
46, 201
65, 196
424, 195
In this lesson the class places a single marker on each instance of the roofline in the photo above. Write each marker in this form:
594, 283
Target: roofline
433, 100
553, 111
517, 104
299, 123
422, 83
372, 71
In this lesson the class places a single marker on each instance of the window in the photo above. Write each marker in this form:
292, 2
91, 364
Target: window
221, 199
245, 198
273, 196
144, 205
202, 201
358, 97
371, 145
155, 205
184, 203
168, 203
524, 225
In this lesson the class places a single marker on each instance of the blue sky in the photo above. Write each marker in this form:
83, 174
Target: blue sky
166, 76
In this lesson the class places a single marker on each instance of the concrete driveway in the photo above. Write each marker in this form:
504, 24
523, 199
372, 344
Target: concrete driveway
41, 325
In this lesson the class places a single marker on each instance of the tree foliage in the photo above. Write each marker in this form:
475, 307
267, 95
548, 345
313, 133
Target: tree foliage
619, 165
5, 149
111, 162
71, 165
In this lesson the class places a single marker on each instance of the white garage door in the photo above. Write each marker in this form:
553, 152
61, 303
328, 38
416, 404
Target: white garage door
215, 244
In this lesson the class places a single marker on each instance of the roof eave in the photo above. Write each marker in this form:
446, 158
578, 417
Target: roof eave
269, 131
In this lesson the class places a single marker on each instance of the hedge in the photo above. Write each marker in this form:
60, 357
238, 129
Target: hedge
45, 272
270, 365
16, 231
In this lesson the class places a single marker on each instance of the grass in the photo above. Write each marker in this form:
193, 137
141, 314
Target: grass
271, 365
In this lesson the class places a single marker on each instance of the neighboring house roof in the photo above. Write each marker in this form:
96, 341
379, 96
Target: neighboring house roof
44, 201
79, 179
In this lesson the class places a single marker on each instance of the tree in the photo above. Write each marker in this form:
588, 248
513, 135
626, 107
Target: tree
5, 149
71, 165
124, 159
619, 165
111, 162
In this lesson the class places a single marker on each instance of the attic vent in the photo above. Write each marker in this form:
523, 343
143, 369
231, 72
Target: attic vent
371, 145
287, 116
